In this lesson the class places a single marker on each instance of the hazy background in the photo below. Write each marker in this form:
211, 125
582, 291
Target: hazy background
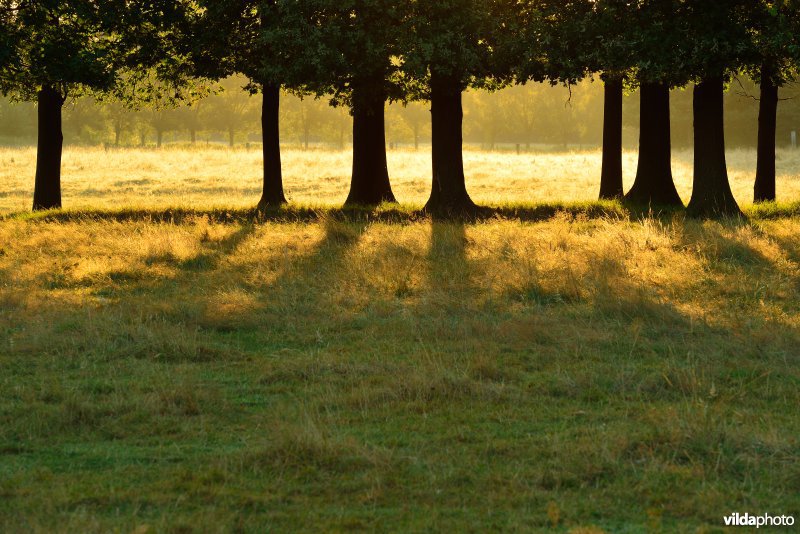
538, 117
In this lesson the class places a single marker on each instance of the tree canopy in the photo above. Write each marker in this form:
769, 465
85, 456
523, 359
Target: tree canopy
80, 46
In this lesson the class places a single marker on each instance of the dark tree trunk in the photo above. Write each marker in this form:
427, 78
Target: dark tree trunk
711, 190
369, 185
611, 176
306, 134
230, 137
272, 194
653, 184
47, 190
142, 139
767, 121
416, 137
193, 135
117, 134
449, 191
159, 138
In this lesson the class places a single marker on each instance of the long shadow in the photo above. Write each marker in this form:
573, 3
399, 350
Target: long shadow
228, 246
305, 282
525, 212
449, 293
293, 214
448, 255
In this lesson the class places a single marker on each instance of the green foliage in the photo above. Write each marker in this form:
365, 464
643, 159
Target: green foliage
84, 46
716, 39
224, 39
555, 39
461, 40
7, 38
775, 47
330, 47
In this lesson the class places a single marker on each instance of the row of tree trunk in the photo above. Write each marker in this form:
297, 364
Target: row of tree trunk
370, 185
654, 185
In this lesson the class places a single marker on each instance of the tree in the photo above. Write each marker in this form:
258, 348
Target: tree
228, 38
230, 109
161, 120
83, 119
654, 39
715, 33
416, 116
775, 52
8, 36
190, 118
451, 45
345, 50
121, 119
607, 49
71, 48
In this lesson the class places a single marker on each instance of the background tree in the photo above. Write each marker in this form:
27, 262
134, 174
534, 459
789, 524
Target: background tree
776, 51
84, 120
607, 49
161, 120
190, 118
231, 109
121, 119
416, 116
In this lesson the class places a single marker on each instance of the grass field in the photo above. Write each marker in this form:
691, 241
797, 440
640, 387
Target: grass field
211, 177
588, 371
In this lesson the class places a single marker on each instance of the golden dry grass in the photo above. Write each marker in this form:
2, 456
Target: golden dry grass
211, 177
603, 373
584, 375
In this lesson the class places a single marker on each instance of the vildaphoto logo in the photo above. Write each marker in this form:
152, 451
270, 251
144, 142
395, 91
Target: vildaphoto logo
764, 520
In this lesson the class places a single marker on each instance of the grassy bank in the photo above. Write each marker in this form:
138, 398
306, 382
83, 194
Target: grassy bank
582, 372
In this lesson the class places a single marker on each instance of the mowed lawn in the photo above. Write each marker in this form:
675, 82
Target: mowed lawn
578, 370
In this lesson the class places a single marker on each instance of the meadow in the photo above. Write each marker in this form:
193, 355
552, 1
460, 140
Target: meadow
583, 369
205, 177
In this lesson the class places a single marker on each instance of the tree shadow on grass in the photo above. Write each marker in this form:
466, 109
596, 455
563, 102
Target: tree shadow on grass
392, 213
303, 287
301, 214
213, 253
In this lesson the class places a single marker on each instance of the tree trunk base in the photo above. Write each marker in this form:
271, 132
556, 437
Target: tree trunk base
711, 192
270, 203
644, 196
718, 208
654, 185
461, 207
369, 201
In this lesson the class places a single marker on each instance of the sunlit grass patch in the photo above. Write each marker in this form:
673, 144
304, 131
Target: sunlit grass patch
207, 178
576, 366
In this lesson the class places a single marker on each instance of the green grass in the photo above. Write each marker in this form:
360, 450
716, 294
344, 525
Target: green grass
575, 368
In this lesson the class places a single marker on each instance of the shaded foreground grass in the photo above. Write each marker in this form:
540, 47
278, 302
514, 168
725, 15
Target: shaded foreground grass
581, 371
